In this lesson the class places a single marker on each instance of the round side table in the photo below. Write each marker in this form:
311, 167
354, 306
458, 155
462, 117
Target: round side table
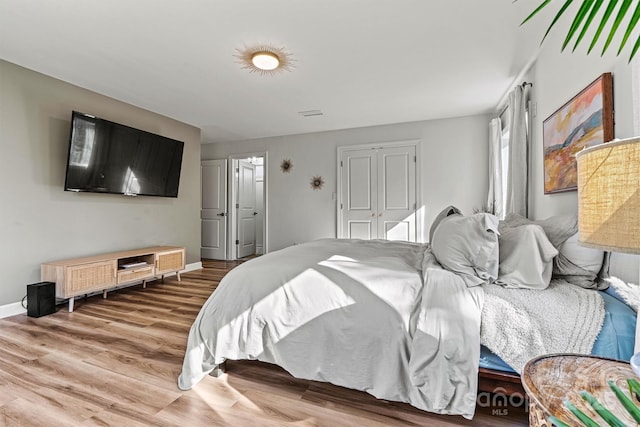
550, 380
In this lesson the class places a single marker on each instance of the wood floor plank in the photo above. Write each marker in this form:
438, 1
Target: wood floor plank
115, 362
23, 413
199, 409
126, 415
18, 348
148, 370
7, 394
77, 408
120, 389
284, 409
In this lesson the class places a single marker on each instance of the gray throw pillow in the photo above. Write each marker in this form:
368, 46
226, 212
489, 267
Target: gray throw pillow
468, 245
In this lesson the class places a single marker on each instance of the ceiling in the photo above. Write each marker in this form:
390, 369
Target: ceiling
361, 62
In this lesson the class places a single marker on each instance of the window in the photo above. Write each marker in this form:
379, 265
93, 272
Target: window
504, 118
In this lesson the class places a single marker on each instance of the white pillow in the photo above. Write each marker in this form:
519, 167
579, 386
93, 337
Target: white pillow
558, 228
587, 258
449, 210
468, 245
526, 257
584, 267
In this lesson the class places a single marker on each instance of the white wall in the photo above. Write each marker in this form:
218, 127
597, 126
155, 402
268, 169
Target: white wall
39, 221
453, 166
557, 77
260, 210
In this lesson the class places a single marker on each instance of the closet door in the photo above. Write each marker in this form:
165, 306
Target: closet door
397, 193
378, 193
359, 194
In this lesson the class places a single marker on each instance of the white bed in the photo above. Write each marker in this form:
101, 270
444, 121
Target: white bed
348, 312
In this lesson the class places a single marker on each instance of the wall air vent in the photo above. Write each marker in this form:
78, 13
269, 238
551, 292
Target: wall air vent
310, 113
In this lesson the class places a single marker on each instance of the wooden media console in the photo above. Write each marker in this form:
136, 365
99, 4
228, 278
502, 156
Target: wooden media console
81, 276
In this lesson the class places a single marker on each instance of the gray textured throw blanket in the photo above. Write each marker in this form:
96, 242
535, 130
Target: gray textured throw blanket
536, 324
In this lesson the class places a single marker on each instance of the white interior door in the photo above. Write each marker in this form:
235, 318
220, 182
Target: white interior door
397, 193
359, 194
213, 215
247, 211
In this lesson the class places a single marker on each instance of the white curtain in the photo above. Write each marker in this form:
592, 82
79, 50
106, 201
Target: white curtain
635, 87
495, 201
518, 170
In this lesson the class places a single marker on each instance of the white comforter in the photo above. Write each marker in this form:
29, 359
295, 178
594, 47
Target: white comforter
349, 312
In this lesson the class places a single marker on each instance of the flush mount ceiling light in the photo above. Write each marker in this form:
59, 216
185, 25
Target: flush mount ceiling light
264, 59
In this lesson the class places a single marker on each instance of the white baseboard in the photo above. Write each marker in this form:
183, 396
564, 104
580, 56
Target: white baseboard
11, 309
15, 308
192, 267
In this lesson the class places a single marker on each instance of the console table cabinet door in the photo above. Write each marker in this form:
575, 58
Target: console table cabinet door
85, 278
170, 261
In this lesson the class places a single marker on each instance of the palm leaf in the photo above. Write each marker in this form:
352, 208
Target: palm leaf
605, 18
564, 7
584, 418
592, 15
538, 9
585, 27
584, 18
635, 49
606, 414
632, 24
582, 13
628, 404
616, 23
557, 422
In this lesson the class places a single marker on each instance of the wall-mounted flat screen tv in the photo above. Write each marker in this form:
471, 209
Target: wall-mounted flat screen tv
107, 157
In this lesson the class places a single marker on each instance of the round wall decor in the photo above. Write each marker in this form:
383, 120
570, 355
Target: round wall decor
286, 166
317, 182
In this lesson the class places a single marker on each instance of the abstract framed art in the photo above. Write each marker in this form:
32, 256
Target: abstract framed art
584, 121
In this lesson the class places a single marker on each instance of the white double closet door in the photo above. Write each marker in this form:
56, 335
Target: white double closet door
377, 193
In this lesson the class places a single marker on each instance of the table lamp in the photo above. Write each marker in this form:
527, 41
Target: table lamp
609, 199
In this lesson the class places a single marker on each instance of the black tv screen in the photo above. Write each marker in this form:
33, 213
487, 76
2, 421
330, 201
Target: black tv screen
107, 157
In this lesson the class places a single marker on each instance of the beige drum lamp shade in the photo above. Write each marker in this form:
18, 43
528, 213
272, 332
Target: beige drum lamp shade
609, 196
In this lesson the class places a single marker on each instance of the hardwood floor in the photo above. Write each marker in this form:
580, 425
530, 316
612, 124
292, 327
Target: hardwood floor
115, 362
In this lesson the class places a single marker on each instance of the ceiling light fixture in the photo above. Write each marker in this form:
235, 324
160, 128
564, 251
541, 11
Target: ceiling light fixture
264, 59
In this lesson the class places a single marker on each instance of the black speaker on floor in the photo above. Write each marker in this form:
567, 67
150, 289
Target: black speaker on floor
41, 299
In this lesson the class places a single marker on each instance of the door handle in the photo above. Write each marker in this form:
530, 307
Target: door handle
222, 214
255, 213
